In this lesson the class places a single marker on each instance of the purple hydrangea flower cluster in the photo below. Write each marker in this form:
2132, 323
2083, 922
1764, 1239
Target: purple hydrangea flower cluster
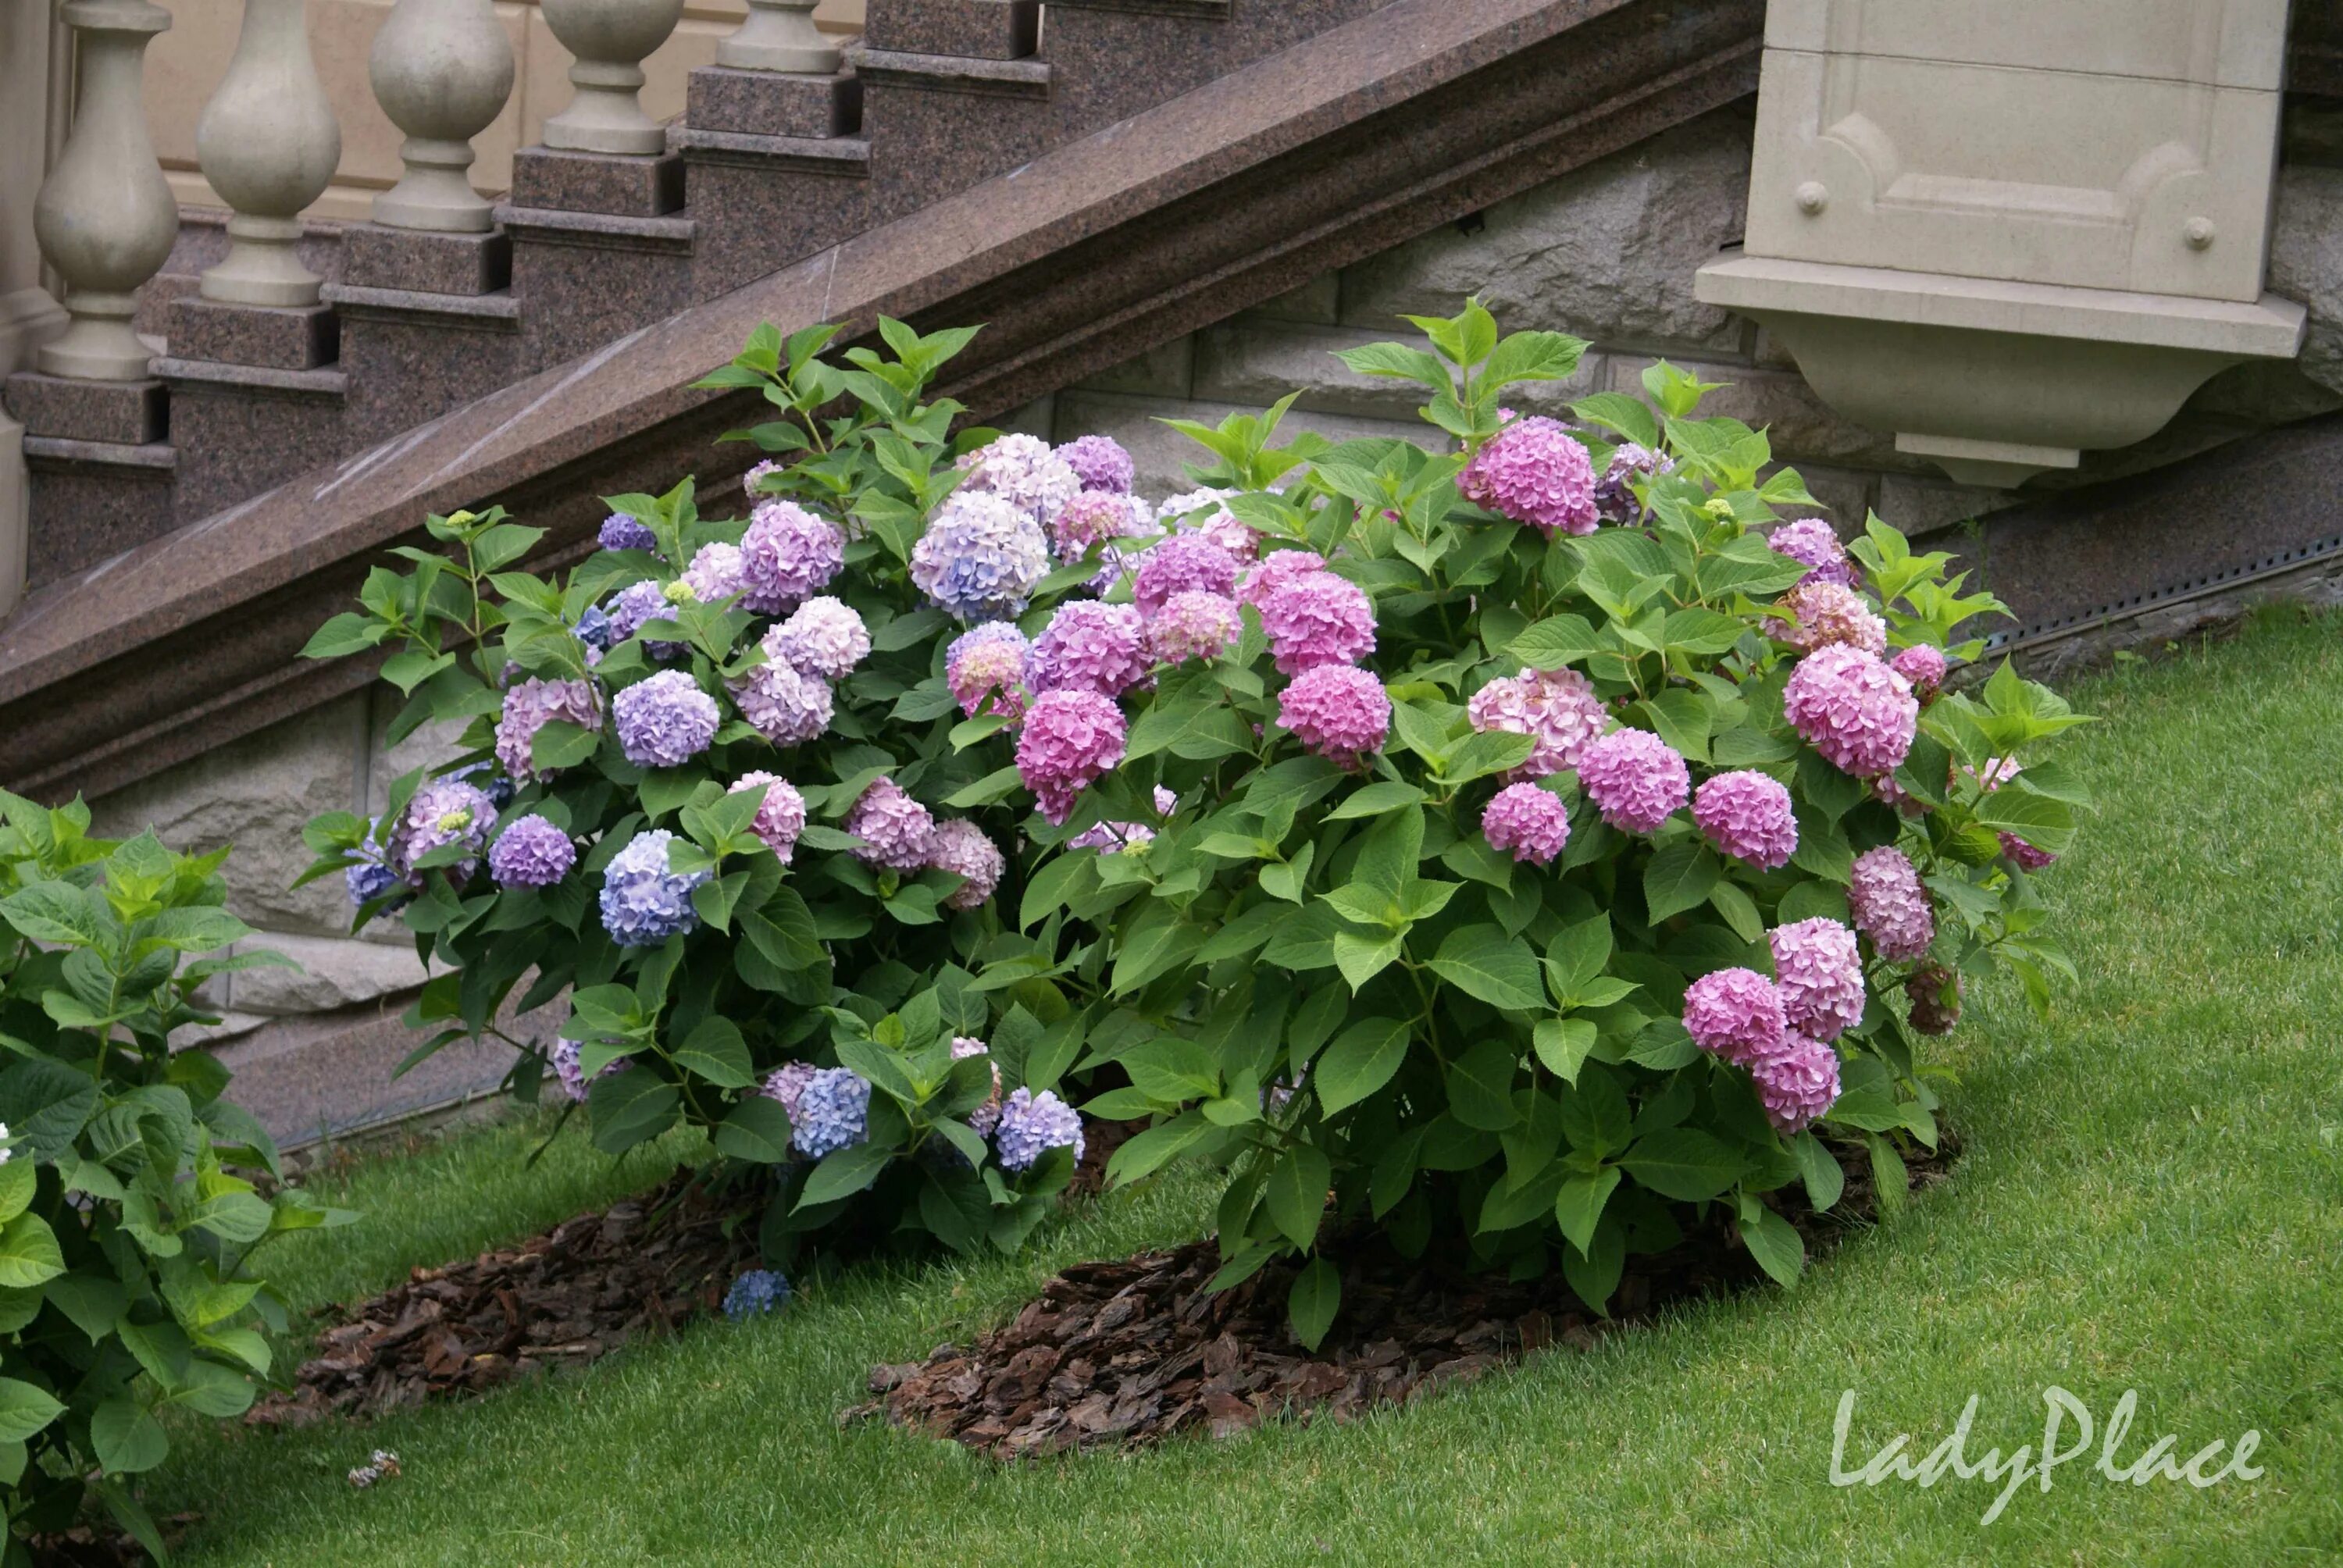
1535, 472
1528, 823
1924, 665
780, 818
1811, 542
636, 606
1337, 710
987, 668
1070, 739
718, 572
1935, 993
788, 556
897, 832
1796, 1081
1182, 563
1023, 471
1096, 517
531, 852
568, 1061
1827, 614
822, 636
1101, 463
644, 900
1748, 816
530, 707
621, 532
1205, 513
1193, 624
1818, 971
979, 558
1316, 619
784, 1084
1276, 569
442, 812
1166, 802
1636, 779
757, 1294
1032, 1125
369, 876
987, 1116
1853, 709
963, 849
1890, 906
833, 1112
1615, 492
756, 476
1556, 708
664, 720
784, 703
1736, 1014
1112, 837
1090, 646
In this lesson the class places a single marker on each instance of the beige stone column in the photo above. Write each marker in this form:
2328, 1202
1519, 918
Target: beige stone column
30, 116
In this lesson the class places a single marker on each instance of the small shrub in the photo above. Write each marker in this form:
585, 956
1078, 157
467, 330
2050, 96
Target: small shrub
126, 1245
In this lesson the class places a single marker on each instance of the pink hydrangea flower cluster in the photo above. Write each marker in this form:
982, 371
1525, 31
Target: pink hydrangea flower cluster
1071, 739
1181, 563
896, 830
1636, 779
1337, 710
1853, 709
1203, 512
1556, 708
1112, 837
1736, 1014
1530, 824
1535, 472
1890, 906
823, 636
963, 849
530, 707
788, 556
1101, 463
1924, 665
1193, 624
1274, 570
784, 703
1748, 816
1827, 614
1818, 971
1811, 542
1091, 646
987, 668
1317, 618
1098, 516
1796, 1083
1025, 472
782, 818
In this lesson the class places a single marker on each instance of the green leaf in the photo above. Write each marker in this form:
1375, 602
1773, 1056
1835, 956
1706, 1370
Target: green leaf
1375, 800
844, 1172
1578, 1207
716, 1052
1362, 1060
559, 744
1680, 877
127, 1437
1312, 1303
1556, 641
1481, 1087
346, 634
18, 1182
1362, 958
56, 912
28, 1252
1563, 1044
1820, 1169
1772, 1241
630, 1108
25, 1410
1484, 962
1593, 1271
1683, 1163
993, 787
1739, 909
757, 1130
1296, 1192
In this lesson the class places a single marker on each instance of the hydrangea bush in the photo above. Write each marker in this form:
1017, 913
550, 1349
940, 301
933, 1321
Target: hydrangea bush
1525, 844
126, 1242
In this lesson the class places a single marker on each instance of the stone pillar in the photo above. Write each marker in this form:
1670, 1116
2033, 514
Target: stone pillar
611, 39
780, 36
28, 316
269, 144
441, 69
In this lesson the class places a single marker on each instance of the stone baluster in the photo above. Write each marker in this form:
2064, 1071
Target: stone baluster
104, 217
780, 36
441, 70
611, 39
268, 144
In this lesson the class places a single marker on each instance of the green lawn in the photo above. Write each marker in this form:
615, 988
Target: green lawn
2149, 1201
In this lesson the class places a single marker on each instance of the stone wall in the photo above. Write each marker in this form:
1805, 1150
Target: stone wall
1608, 253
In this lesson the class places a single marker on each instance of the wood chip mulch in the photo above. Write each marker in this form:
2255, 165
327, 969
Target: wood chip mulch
1117, 1355
563, 1298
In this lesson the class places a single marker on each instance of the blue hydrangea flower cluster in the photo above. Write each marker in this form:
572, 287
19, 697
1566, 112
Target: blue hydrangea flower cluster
644, 901
631, 608
981, 558
625, 533
1032, 1125
665, 721
755, 1294
833, 1111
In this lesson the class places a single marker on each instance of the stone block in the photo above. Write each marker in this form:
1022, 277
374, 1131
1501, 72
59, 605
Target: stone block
982, 29
256, 793
2307, 265
118, 413
278, 338
555, 179
1038, 417
411, 356
1607, 252
312, 1076
1251, 361
1318, 300
772, 102
377, 257
240, 429
93, 501
334, 972
585, 279
768, 201
1161, 455
1918, 504
1166, 370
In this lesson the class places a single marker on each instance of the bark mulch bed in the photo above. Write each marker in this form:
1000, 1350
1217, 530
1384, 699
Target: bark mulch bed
1116, 1355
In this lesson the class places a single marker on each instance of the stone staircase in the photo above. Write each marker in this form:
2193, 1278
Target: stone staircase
766, 168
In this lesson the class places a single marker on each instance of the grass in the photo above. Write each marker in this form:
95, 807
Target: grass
2148, 1200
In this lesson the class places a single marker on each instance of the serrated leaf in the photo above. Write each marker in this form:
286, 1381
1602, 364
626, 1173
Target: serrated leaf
1296, 1192
1772, 1241
1315, 1297
1363, 1059
1683, 1163
1485, 963
1578, 1207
